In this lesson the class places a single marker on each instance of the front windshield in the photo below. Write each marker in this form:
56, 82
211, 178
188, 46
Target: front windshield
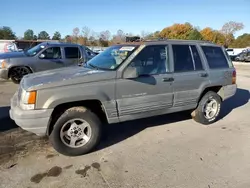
112, 57
35, 50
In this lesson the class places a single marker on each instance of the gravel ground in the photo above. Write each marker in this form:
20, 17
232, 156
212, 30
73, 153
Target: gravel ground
167, 151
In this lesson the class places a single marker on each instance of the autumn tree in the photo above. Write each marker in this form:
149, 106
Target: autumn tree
7, 33
119, 37
28, 34
208, 34
56, 36
229, 29
177, 31
43, 35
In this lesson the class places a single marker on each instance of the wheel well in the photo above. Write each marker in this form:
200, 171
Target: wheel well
213, 88
93, 105
19, 66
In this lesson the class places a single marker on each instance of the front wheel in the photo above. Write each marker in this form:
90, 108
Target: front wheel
76, 132
17, 73
208, 109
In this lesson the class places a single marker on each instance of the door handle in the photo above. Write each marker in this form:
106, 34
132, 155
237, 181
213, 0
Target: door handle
167, 79
203, 74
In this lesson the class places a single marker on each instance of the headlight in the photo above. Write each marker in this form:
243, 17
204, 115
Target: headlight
3, 64
28, 100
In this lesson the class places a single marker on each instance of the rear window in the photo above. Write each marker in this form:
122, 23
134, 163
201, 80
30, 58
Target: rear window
215, 57
72, 52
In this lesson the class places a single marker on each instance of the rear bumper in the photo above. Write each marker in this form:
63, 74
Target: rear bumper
4, 74
228, 91
34, 121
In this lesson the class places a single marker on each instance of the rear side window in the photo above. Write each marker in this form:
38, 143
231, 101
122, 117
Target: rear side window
72, 52
215, 57
186, 58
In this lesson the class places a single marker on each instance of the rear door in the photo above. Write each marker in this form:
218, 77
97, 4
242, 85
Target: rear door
190, 75
72, 56
221, 69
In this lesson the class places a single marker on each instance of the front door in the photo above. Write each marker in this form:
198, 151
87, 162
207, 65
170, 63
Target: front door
151, 92
50, 58
190, 76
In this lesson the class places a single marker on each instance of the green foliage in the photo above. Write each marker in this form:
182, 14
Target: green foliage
28, 35
43, 35
242, 41
195, 35
7, 33
56, 36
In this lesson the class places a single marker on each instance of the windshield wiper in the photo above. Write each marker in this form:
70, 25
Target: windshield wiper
93, 66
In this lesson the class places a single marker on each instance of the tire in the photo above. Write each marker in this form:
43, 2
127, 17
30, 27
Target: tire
199, 114
16, 73
62, 144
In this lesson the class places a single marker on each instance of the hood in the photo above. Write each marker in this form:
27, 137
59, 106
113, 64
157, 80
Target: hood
8, 55
64, 76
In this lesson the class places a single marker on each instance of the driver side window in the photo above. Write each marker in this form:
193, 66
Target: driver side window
152, 60
52, 53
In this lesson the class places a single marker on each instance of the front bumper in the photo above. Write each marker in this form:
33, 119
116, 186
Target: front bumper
35, 121
4, 74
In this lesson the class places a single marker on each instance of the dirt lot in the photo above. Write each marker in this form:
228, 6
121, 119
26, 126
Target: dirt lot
168, 151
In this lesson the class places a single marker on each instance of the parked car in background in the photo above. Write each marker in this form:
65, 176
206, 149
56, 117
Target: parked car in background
45, 56
8, 46
243, 56
125, 82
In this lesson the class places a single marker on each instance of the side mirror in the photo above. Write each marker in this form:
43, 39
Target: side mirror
41, 56
130, 72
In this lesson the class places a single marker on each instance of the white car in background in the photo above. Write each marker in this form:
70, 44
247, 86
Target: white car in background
8, 46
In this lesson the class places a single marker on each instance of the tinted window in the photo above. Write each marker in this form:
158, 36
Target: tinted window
72, 52
215, 57
52, 53
182, 58
197, 59
152, 60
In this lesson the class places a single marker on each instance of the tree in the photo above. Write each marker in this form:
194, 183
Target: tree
34, 37
7, 33
208, 34
177, 31
68, 38
229, 29
86, 32
195, 35
75, 35
56, 36
242, 41
43, 35
28, 34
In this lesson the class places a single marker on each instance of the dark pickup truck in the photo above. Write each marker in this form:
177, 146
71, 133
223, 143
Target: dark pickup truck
45, 56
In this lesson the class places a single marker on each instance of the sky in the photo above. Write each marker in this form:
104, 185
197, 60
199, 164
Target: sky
131, 16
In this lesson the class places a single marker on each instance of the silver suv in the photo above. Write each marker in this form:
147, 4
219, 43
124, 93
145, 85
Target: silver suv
125, 82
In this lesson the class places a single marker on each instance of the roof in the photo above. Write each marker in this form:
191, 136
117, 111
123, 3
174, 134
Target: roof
60, 44
167, 41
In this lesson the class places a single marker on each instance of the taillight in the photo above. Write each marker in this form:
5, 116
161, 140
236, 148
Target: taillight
234, 77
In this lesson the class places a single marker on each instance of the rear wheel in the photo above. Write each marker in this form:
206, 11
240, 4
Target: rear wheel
16, 74
76, 132
208, 109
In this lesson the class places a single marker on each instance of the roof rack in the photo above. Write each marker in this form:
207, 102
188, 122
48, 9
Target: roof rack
155, 39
